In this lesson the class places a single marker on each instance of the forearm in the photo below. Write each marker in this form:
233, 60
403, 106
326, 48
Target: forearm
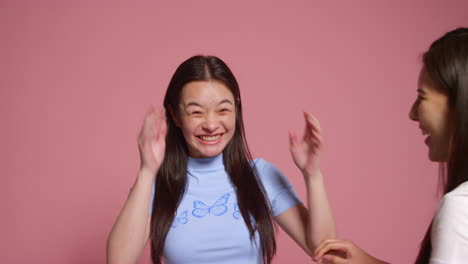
321, 224
129, 235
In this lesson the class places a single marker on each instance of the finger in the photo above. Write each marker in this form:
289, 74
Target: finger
312, 139
160, 120
334, 259
292, 138
293, 143
161, 136
150, 119
314, 133
149, 110
150, 113
161, 115
324, 243
307, 128
145, 128
313, 120
314, 129
332, 245
312, 123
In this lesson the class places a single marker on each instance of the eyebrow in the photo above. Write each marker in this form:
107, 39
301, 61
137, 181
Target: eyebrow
421, 91
192, 103
199, 105
225, 101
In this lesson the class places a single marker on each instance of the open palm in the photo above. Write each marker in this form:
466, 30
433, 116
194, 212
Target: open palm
306, 152
152, 140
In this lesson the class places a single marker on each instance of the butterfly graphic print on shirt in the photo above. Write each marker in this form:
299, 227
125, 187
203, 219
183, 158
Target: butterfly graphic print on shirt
181, 219
236, 214
200, 209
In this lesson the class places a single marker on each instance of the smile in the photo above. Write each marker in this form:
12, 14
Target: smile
209, 139
426, 141
423, 130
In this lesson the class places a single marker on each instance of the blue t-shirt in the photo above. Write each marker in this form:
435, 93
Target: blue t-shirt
208, 227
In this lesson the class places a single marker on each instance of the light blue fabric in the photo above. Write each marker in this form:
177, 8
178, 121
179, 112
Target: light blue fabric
208, 227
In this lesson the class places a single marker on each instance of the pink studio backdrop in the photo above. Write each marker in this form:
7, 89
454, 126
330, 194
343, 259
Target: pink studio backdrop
77, 78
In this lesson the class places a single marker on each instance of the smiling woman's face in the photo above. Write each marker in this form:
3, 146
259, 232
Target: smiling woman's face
431, 111
207, 117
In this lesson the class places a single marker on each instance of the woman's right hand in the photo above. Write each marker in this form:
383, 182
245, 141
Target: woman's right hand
152, 140
341, 252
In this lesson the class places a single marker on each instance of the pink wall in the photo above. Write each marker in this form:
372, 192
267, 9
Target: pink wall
77, 78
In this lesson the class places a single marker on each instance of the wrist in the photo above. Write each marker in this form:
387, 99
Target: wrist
144, 179
311, 176
146, 173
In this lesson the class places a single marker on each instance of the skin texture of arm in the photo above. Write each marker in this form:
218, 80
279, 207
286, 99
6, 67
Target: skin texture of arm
309, 227
130, 232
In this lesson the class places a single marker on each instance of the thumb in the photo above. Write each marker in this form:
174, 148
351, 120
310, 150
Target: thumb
292, 139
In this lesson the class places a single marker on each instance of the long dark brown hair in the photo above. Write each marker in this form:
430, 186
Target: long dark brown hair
446, 63
172, 176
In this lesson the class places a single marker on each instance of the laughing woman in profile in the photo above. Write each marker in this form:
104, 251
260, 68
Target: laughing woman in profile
441, 111
209, 201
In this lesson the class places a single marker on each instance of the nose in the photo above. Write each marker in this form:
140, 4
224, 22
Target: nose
211, 123
413, 113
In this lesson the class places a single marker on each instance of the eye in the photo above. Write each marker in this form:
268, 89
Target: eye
224, 110
196, 113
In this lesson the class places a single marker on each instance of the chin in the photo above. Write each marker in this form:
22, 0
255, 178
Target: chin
207, 153
437, 157
433, 159
210, 155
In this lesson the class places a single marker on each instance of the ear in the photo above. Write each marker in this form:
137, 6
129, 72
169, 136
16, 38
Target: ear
174, 117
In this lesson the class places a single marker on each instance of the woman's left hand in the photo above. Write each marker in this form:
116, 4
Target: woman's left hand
343, 252
306, 152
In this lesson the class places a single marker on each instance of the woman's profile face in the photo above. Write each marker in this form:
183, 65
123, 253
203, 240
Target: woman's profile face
207, 117
431, 111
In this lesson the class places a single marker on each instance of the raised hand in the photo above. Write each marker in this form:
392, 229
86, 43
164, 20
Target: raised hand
152, 140
306, 152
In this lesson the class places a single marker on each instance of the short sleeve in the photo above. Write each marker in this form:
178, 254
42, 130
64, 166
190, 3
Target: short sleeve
449, 234
280, 191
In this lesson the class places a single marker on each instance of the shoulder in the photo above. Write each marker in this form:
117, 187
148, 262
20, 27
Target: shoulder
460, 191
280, 191
270, 175
451, 219
265, 169
455, 202
454, 206
260, 163
450, 227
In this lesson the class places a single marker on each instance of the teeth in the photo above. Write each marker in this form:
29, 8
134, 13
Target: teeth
210, 138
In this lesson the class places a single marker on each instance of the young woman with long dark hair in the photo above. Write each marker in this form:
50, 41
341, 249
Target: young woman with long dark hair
441, 111
209, 201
